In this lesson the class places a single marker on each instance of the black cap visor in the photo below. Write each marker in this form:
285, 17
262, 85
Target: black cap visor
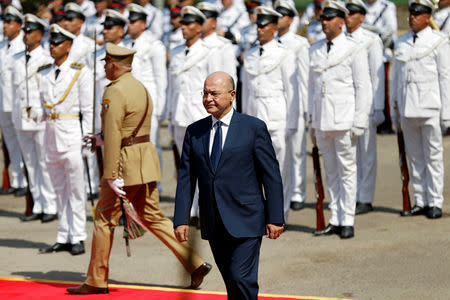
329, 13
73, 14
419, 9
189, 18
30, 26
110, 22
285, 11
58, 38
10, 18
134, 16
210, 14
263, 20
353, 9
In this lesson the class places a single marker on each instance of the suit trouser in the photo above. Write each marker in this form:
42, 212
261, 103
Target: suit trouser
66, 171
32, 146
423, 142
238, 261
295, 185
145, 199
366, 161
9, 135
338, 150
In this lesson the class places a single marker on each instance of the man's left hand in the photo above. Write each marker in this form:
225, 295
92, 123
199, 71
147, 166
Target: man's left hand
273, 231
182, 233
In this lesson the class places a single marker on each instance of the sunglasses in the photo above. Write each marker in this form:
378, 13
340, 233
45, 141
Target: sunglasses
326, 18
415, 13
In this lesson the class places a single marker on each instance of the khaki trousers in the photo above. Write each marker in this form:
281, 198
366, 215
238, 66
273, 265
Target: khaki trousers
145, 199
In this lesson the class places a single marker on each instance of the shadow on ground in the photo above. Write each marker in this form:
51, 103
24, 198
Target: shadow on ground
17, 243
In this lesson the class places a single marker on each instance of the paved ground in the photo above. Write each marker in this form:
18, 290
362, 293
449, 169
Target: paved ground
390, 257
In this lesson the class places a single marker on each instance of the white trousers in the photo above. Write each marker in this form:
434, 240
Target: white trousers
366, 157
9, 135
295, 185
423, 142
339, 159
32, 146
66, 172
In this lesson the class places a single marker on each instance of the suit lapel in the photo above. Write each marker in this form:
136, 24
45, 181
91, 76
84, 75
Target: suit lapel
205, 140
233, 133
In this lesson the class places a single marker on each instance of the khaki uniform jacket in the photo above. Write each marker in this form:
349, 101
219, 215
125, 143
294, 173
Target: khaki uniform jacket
123, 107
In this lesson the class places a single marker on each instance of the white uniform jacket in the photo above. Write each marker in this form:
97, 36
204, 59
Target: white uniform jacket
93, 27
187, 74
249, 38
233, 19
339, 90
149, 67
442, 18
6, 70
154, 21
374, 47
65, 133
421, 75
88, 8
269, 86
82, 48
173, 39
225, 53
314, 32
38, 58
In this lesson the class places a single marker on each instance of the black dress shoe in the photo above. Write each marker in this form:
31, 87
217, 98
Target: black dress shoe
329, 230
31, 217
58, 247
418, 210
77, 248
198, 275
363, 208
434, 212
295, 205
7, 191
20, 192
347, 232
86, 289
49, 217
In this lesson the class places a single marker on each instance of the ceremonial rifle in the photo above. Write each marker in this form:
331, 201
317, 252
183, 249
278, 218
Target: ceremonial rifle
320, 219
403, 169
6, 162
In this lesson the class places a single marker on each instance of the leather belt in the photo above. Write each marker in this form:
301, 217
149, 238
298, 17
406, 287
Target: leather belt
135, 140
55, 117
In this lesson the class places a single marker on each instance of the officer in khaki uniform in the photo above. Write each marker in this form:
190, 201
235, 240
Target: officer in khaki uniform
126, 112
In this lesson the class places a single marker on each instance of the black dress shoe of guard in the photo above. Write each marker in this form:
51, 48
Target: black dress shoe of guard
7, 191
295, 205
363, 208
31, 217
434, 212
20, 192
329, 230
77, 248
198, 275
57, 247
86, 289
49, 217
347, 232
418, 210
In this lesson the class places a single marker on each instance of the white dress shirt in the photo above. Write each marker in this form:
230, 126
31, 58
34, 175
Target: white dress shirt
226, 120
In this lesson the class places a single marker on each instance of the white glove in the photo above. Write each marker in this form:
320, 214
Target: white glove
356, 131
290, 131
116, 185
89, 139
36, 114
378, 117
86, 152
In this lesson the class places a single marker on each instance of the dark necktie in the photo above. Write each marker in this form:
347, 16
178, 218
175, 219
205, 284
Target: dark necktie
186, 51
9, 45
217, 146
261, 50
329, 43
27, 58
132, 44
279, 41
414, 38
57, 73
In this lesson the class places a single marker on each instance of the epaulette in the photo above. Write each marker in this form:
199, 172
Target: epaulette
44, 67
77, 66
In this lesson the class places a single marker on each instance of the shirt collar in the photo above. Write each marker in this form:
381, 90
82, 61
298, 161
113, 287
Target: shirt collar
271, 44
210, 37
339, 39
226, 120
423, 33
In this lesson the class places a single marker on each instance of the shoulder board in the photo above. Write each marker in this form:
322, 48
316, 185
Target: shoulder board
44, 67
77, 66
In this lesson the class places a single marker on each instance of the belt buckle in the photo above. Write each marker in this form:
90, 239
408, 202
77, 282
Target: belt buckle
53, 116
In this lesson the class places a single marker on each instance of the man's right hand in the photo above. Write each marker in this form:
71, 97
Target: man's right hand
116, 185
182, 233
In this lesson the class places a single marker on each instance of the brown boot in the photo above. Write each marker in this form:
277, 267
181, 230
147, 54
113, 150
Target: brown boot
86, 289
198, 275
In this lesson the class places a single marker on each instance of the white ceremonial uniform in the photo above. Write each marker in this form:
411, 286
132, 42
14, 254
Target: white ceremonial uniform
366, 148
30, 134
9, 134
315, 32
249, 38
167, 27
88, 8
270, 92
173, 39
225, 53
63, 136
93, 27
154, 21
233, 19
382, 14
82, 48
307, 16
421, 91
295, 185
442, 18
340, 98
149, 67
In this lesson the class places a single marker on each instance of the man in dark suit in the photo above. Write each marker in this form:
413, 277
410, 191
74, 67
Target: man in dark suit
240, 189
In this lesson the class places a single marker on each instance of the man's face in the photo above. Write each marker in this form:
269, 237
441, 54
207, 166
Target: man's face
209, 26
109, 68
191, 30
112, 34
227, 3
73, 25
266, 33
218, 96
318, 10
11, 28
284, 22
353, 20
135, 28
57, 51
252, 17
444, 3
332, 27
142, 2
175, 21
100, 6
32, 38
418, 21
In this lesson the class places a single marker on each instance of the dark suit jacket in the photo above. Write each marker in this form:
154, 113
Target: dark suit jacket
247, 166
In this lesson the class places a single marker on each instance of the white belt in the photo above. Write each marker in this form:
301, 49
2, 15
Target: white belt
55, 117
